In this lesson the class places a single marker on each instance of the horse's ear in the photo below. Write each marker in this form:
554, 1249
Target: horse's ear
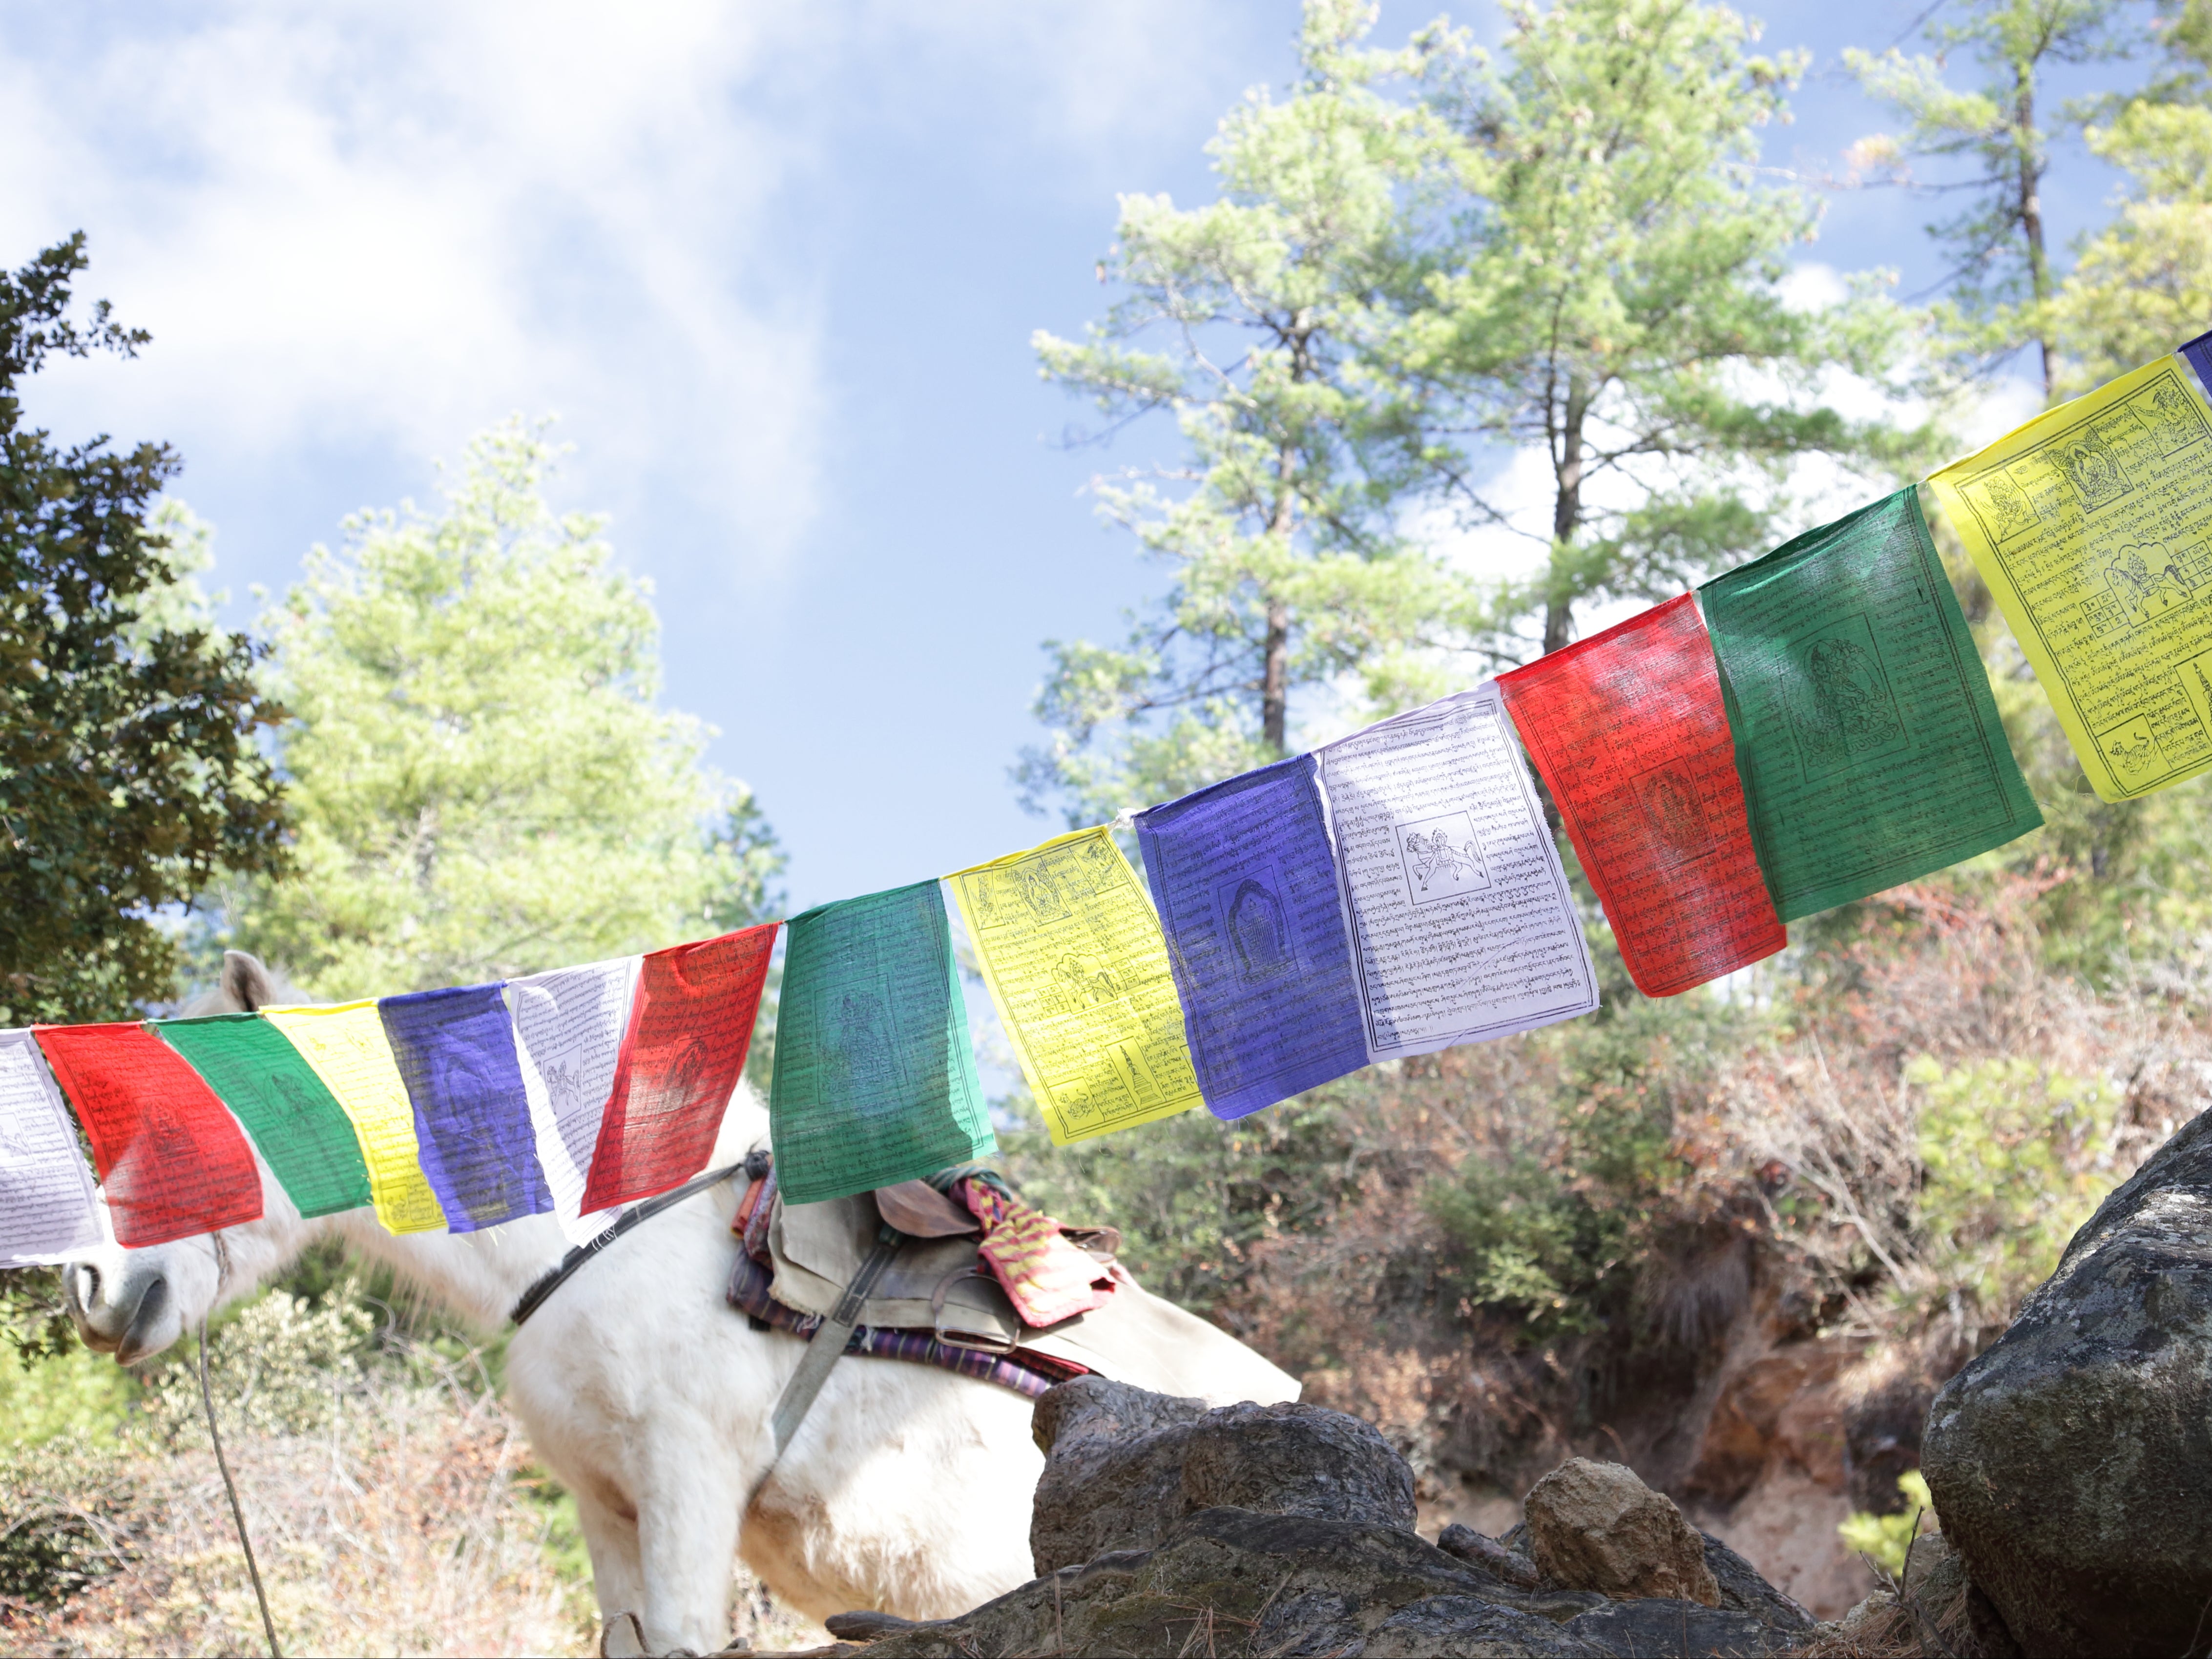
245, 981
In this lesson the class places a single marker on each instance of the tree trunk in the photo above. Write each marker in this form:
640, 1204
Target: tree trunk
1275, 687
1566, 519
2030, 213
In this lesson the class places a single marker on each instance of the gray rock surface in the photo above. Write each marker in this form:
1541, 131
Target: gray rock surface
1649, 1627
1492, 1557
1230, 1581
1743, 1590
2071, 1462
1122, 1466
1597, 1527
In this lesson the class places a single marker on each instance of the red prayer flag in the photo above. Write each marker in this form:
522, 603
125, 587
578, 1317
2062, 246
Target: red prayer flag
690, 1024
171, 1160
1629, 730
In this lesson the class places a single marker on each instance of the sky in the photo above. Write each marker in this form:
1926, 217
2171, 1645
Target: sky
773, 268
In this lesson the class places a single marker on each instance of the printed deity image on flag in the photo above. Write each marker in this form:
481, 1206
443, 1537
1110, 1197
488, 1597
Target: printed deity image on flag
1628, 730
1866, 736
1073, 954
2092, 526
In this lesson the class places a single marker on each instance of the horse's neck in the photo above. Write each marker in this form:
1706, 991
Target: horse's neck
477, 1276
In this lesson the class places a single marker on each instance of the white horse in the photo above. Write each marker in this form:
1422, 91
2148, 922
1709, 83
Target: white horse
906, 1489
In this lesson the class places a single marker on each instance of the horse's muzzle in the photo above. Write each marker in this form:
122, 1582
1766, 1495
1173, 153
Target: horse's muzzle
126, 1325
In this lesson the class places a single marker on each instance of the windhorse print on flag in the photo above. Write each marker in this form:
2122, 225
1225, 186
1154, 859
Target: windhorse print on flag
48, 1207
690, 1024
1072, 952
297, 1125
172, 1162
568, 1026
455, 1049
1865, 733
2092, 526
1246, 889
1463, 926
346, 1044
1628, 730
875, 1072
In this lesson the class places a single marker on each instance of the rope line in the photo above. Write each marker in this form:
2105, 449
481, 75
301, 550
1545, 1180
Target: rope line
237, 1515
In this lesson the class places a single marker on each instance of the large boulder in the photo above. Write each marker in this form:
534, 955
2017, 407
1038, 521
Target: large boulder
1123, 1466
2071, 1463
1595, 1526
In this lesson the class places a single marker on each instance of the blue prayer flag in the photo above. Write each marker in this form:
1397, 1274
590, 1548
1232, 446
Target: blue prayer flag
1246, 887
472, 1130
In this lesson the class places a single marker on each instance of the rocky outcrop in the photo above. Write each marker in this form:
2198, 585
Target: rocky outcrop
2071, 1462
1596, 1527
1124, 1466
1288, 1530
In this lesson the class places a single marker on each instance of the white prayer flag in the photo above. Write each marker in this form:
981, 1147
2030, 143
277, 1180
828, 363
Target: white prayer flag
568, 1028
48, 1211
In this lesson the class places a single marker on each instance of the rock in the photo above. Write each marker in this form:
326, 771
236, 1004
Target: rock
2071, 1461
1742, 1589
1492, 1557
1648, 1625
1231, 1581
1595, 1526
1123, 1466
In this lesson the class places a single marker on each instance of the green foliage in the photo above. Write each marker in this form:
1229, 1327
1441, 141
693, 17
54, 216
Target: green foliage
2001, 283
1244, 321
1884, 1538
483, 783
1612, 296
278, 1367
69, 1509
73, 1391
2015, 1157
131, 774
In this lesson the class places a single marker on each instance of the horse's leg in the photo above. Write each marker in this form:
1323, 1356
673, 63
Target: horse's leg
618, 1581
687, 1537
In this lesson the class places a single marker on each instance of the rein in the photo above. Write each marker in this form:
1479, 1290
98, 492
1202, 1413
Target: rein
557, 1275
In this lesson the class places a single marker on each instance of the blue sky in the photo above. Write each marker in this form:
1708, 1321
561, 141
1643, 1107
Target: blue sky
774, 268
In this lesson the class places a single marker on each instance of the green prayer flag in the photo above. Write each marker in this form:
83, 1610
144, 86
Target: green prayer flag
294, 1121
1865, 734
875, 1078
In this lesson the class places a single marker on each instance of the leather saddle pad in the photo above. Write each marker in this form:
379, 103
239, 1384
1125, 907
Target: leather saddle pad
939, 1286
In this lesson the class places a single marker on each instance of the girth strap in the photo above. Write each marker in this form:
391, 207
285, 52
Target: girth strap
558, 1274
827, 1344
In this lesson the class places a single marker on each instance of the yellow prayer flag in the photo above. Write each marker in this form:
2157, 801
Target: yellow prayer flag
1072, 952
346, 1045
2092, 525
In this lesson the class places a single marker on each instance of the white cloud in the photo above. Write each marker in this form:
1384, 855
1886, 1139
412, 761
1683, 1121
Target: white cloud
381, 224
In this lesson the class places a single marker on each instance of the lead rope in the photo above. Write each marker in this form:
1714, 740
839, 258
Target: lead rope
215, 1439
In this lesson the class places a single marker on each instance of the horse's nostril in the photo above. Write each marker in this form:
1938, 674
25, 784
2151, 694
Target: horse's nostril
81, 1286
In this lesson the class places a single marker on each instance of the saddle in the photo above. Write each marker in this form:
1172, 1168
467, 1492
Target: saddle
937, 1287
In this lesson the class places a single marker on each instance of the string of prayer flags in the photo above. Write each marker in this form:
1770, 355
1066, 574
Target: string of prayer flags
298, 1128
47, 1208
455, 1051
568, 1026
172, 1162
1866, 736
690, 1024
345, 1045
875, 1075
1246, 888
1077, 968
1628, 730
2092, 526
1462, 927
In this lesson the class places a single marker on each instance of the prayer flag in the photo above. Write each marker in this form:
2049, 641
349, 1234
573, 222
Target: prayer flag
690, 1024
171, 1160
1865, 734
300, 1131
1463, 926
2092, 526
47, 1210
455, 1049
875, 1075
568, 1026
1628, 730
1246, 888
347, 1048
1073, 958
